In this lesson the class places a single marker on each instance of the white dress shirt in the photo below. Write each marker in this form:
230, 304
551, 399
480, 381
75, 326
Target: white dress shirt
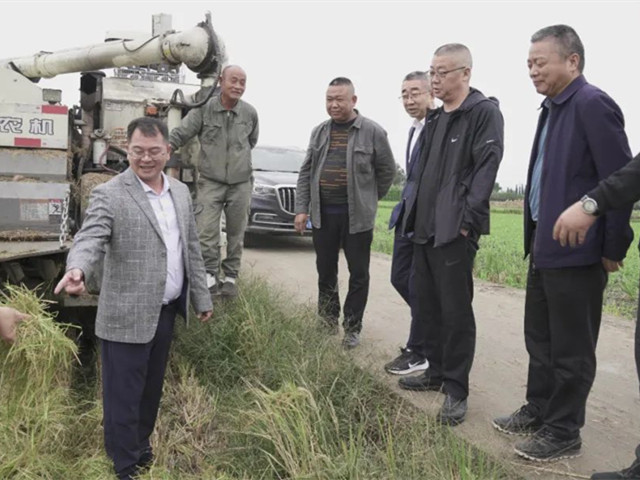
417, 125
165, 211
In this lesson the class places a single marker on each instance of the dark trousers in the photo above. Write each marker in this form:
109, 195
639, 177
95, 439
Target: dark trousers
402, 281
563, 309
327, 241
443, 286
637, 341
132, 378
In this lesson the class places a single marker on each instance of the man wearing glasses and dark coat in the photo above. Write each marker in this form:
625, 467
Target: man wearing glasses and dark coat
444, 217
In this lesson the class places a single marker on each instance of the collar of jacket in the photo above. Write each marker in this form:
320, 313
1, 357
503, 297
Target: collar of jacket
218, 107
474, 97
357, 123
130, 178
568, 92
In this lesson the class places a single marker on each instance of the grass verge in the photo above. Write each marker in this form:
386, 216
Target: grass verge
257, 393
501, 257
292, 404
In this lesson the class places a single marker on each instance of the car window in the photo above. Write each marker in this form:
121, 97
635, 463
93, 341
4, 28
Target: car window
277, 159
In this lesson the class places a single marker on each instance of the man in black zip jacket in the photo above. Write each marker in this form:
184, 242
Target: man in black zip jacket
444, 217
621, 189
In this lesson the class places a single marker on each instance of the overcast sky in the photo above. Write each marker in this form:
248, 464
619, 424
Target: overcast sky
291, 50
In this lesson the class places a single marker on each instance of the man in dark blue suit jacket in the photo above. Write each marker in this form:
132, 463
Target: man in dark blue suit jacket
417, 99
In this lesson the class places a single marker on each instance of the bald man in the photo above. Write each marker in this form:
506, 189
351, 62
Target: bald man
227, 128
444, 217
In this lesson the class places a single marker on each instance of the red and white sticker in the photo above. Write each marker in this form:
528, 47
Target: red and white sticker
34, 126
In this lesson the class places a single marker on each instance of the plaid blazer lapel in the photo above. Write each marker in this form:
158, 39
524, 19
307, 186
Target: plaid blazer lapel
140, 197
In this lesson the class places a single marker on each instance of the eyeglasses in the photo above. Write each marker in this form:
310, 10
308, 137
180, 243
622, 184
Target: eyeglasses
413, 95
153, 154
442, 74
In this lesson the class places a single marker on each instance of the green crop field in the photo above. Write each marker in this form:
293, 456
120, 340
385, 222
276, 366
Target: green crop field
500, 258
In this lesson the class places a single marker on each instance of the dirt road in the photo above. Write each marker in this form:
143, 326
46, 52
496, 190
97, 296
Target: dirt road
498, 376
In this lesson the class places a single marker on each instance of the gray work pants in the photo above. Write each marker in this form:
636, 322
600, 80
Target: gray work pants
214, 198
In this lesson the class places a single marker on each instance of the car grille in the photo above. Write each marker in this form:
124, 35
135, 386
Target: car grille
287, 199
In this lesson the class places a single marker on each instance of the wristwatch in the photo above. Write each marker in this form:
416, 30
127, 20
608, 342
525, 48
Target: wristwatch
589, 206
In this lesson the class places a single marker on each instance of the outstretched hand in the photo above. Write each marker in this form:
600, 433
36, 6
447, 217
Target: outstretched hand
9, 319
72, 282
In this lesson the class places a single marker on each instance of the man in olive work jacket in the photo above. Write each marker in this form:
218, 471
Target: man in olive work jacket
227, 128
348, 168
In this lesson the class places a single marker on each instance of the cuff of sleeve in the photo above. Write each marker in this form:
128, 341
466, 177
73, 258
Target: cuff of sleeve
600, 199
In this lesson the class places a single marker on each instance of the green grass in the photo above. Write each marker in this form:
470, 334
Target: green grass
259, 392
501, 258
292, 404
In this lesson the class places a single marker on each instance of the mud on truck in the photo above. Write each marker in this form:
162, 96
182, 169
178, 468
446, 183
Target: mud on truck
52, 155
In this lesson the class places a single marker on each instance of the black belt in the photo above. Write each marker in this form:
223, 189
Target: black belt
171, 303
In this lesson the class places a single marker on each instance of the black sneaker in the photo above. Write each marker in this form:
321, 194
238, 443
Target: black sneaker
453, 411
407, 362
229, 289
544, 446
421, 383
631, 473
521, 422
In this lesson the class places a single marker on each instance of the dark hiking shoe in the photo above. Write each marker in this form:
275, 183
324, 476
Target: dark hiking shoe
350, 340
407, 362
521, 422
420, 383
453, 411
144, 464
544, 446
631, 473
229, 289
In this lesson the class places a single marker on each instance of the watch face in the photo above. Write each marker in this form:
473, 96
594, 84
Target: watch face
589, 206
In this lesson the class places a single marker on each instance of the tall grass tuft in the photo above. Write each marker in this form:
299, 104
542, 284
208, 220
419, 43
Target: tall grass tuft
42, 433
293, 405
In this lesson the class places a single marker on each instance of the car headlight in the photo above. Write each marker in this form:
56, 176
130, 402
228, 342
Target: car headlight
265, 190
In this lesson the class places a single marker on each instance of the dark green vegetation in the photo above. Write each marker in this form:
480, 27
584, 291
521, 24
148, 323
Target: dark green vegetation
501, 256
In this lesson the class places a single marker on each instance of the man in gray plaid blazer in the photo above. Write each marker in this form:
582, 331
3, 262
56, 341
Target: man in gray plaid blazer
140, 226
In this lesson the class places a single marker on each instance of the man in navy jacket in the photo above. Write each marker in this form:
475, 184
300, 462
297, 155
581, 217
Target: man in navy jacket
580, 140
417, 99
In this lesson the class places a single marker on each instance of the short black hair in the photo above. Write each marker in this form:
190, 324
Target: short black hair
340, 81
567, 39
149, 127
455, 49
